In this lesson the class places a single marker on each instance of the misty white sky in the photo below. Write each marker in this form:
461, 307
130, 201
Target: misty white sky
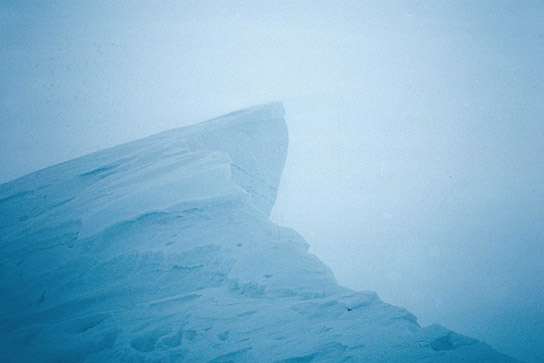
415, 164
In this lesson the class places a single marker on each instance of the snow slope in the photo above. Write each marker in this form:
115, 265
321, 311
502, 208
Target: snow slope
161, 250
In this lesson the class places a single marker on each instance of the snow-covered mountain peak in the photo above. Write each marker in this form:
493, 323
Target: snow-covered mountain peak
161, 250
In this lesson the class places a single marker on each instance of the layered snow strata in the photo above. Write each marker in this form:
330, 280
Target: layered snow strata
161, 250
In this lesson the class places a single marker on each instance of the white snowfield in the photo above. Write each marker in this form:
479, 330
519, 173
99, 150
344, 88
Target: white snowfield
161, 250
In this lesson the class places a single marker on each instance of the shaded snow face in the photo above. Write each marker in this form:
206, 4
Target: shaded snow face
415, 162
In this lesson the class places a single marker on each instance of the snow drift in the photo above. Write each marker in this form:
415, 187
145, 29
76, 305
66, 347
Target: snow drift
161, 250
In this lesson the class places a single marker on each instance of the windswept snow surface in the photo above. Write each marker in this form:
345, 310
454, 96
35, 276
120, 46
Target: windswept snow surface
161, 250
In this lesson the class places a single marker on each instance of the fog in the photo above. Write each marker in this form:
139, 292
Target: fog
415, 156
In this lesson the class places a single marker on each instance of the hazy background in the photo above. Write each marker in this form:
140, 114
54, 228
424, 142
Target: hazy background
416, 154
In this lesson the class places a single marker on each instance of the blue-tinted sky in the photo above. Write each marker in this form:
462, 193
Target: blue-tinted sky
415, 166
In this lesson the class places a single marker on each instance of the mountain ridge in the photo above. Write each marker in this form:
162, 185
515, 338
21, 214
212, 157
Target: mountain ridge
161, 250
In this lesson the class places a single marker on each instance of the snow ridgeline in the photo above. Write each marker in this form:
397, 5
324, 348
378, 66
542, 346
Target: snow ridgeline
161, 250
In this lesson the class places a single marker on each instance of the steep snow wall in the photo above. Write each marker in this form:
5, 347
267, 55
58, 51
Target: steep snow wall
161, 250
